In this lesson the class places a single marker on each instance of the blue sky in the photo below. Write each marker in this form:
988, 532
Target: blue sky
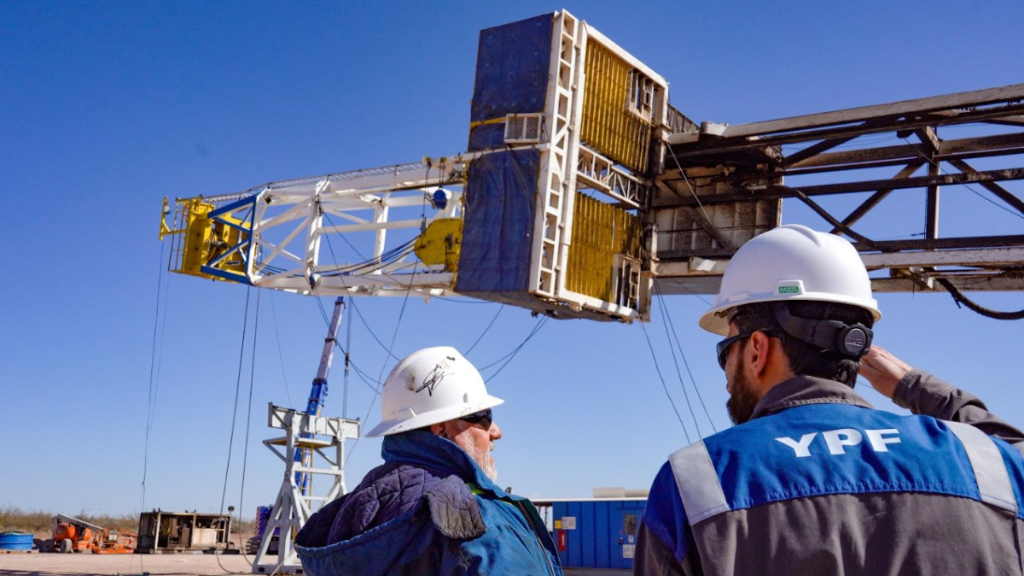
107, 107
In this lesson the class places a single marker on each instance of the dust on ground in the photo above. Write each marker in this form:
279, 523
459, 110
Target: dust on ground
36, 564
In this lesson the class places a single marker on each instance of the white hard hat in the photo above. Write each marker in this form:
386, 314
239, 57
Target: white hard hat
791, 262
430, 386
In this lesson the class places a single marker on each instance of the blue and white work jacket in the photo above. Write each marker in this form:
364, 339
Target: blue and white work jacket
818, 482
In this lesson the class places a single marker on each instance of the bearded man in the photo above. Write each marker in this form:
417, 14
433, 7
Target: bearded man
433, 506
813, 480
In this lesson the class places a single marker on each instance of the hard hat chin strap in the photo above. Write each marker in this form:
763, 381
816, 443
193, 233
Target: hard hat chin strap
852, 340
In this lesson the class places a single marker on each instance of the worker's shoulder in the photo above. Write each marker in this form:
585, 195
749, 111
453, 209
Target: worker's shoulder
399, 487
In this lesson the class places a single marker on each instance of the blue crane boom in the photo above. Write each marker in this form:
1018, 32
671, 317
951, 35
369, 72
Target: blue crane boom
318, 391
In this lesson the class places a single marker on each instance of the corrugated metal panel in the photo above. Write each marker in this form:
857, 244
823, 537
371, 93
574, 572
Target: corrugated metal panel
607, 124
601, 533
599, 232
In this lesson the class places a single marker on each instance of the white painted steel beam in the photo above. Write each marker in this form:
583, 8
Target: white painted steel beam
288, 211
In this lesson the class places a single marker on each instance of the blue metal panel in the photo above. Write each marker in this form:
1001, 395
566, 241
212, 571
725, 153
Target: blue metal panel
497, 229
575, 544
603, 545
588, 535
511, 77
232, 276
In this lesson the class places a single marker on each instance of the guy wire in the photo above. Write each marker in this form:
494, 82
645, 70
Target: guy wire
663, 385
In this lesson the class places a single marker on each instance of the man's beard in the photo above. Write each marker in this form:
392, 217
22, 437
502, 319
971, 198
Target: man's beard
742, 399
482, 457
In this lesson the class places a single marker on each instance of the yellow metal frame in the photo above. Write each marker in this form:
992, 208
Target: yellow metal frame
198, 239
608, 123
600, 231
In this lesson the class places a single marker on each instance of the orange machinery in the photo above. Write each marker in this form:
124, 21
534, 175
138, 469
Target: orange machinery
73, 535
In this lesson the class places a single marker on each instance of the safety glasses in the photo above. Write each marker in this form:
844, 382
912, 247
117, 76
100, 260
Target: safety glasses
484, 418
724, 346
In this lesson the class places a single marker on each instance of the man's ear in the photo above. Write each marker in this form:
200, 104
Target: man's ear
760, 347
437, 429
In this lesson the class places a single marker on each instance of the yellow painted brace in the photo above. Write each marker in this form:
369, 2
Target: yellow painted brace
164, 228
486, 122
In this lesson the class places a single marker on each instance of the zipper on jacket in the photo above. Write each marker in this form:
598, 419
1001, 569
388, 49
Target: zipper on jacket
536, 535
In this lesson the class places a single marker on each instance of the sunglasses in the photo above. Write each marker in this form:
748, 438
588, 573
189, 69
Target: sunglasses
483, 418
723, 347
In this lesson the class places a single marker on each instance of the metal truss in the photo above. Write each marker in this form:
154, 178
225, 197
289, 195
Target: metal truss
293, 507
285, 226
356, 233
724, 184
596, 172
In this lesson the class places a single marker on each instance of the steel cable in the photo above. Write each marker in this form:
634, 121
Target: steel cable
664, 386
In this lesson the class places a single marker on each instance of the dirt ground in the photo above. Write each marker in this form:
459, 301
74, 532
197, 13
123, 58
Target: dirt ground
36, 564
43, 564
159, 565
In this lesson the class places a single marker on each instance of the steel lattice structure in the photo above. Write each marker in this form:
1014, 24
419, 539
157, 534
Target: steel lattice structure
714, 173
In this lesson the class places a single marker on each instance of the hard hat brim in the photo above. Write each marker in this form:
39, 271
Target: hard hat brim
394, 426
716, 320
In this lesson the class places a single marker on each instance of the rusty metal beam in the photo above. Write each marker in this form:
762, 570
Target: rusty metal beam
872, 157
875, 198
847, 187
931, 212
752, 161
958, 101
1009, 121
929, 138
815, 150
1002, 193
944, 243
710, 284
724, 146
975, 258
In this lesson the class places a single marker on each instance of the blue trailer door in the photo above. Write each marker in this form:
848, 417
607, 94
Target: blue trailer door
627, 515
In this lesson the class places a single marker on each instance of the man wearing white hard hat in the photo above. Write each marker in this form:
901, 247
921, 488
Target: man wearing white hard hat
433, 506
813, 480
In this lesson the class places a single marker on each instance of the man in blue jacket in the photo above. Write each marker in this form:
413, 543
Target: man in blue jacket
433, 506
813, 480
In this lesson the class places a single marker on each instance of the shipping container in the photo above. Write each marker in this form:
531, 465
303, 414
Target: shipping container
594, 532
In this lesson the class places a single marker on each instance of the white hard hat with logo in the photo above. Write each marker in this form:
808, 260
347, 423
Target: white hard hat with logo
791, 262
431, 386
